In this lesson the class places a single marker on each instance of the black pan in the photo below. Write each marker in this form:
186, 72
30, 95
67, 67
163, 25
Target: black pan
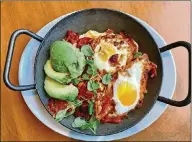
100, 20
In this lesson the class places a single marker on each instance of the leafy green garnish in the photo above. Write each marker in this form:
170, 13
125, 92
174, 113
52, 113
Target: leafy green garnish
89, 62
78, 122
90, 107
75, 81
137, 54
92, 85
77, 103
86, 50
106, 78
82, 124
63, 113
92, 70
85, 77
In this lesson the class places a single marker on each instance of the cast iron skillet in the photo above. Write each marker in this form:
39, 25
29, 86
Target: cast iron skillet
100, 20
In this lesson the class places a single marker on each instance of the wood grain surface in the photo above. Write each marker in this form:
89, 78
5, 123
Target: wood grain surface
170, 19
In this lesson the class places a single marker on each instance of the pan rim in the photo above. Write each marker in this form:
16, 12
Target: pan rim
100, 9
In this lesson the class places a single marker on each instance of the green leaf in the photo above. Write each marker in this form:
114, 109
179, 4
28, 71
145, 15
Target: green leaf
85, 77
78, 122
90, 70
77, 103
89, 86
95, 85
92, 85
95, 92
94, 70
137, 54
90, 107
63, 113
86, 50
83, 124
106, 79
94, 126
75, 81
89, 62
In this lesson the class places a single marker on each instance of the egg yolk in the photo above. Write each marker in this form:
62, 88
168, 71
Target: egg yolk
126, 93
106, 51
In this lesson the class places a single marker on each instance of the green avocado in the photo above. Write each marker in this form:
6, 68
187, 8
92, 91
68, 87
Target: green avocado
57, 76
62, 55
60, 91
67, 59
77, 69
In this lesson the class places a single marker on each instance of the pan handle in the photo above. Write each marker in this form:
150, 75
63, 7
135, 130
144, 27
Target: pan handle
187, 100
9, 59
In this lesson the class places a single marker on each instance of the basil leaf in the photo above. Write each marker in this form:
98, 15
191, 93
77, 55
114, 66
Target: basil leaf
90, 107
85, 77
86, 50
63, 113
75, 81
78, 122
137, 54
106, 79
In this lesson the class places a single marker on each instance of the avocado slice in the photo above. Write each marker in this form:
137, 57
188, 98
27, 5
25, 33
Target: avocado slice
77, 69
57, 76
60, 91
62, 55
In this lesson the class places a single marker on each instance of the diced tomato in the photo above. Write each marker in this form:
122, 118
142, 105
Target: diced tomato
114, 120
124, 35
82, 111
89, 95
72, 37
106, 99
153, 72
55, 105
84, 41
84, 94
82, 90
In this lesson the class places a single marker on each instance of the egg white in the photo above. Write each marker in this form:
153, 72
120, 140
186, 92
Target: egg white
92, 34
135, 72
105, 65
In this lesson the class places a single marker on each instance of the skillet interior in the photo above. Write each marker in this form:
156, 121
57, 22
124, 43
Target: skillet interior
101, 20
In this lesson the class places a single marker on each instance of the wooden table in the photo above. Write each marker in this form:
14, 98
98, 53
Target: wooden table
170, 19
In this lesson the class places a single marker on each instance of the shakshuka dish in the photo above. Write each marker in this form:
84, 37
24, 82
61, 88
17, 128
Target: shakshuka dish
96, 77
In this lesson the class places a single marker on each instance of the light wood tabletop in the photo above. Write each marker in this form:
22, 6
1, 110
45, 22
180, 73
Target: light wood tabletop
170, 19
